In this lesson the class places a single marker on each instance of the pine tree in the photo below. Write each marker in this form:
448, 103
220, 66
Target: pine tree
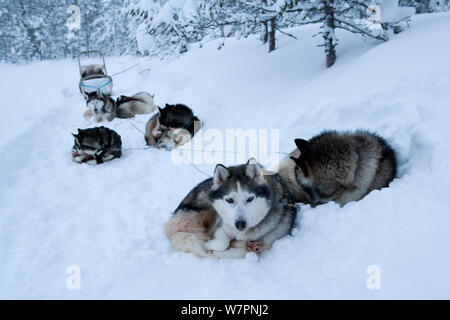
37, 29
349, 15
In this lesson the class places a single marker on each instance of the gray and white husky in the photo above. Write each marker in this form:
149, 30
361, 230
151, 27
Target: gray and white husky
238, 210
341, 166
103, 107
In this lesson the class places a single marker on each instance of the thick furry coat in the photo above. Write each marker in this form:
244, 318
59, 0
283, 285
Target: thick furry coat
196, 219
173, 126
96, 145
103, 107
343, 166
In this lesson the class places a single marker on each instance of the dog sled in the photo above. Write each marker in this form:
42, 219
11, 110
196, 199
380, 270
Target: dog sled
93, 76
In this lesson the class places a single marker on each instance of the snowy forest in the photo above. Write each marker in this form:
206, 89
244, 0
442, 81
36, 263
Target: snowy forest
40, 30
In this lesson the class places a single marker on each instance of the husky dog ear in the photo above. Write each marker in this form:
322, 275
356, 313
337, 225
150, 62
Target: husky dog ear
301, 144
253, 171
221, 174
160, 109
303, 165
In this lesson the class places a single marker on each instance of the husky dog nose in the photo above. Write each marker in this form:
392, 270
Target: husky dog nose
240, 225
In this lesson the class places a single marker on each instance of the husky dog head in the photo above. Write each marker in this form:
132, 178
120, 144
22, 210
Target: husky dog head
86, 140
99, 103
174, 137
241, 195
305, 176
320, 166
175, 115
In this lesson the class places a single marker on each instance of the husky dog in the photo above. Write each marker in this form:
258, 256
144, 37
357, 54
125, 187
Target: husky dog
343, 167
91, 70
103, 107
238, 210
139, 103
96, 145
173, 126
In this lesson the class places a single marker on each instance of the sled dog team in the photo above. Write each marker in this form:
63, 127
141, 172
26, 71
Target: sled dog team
171, 127
243, 208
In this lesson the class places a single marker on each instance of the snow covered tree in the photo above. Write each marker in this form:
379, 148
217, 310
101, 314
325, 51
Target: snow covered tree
173, 25
350, 15
37, 29
427, 6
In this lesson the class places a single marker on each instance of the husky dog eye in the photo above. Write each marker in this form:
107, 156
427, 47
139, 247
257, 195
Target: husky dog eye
229, 200
250, 199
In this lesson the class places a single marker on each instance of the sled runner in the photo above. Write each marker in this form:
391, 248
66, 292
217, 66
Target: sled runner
94, 76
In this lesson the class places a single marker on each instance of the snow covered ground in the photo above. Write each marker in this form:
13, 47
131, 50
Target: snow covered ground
108, 219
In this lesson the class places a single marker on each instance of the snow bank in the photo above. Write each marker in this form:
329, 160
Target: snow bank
109, 219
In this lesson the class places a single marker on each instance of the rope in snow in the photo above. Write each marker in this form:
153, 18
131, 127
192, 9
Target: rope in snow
231, 152
135, 126
117, 73
192, 150
197, 168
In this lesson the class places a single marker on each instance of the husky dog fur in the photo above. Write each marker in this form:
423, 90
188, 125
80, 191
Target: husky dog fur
238, 210
91, 70
96, 145
100, 106
103, 107
173, 126
343, 166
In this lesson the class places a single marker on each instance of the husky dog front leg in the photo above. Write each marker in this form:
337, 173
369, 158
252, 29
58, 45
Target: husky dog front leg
220, 242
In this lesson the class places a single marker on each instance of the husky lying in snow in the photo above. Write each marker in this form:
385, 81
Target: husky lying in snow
96, 145
103, 107
173, 126
241, 209
342, 167
238, 210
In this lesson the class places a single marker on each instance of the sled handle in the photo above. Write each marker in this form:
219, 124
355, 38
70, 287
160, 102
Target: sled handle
89, 52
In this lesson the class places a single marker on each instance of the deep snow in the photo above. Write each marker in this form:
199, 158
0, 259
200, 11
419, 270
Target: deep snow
108, 219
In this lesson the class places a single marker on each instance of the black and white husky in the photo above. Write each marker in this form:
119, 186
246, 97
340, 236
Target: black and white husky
171, 127
238, 210
103, 107
96, 145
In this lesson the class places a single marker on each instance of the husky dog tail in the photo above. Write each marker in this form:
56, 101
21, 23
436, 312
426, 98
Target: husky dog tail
189, 230
139, 103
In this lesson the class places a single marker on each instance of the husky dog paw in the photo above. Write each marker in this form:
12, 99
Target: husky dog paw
216, 245
255, 246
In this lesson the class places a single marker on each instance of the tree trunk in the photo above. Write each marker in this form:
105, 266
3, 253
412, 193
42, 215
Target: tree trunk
266, 32
272, 34
329, 34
